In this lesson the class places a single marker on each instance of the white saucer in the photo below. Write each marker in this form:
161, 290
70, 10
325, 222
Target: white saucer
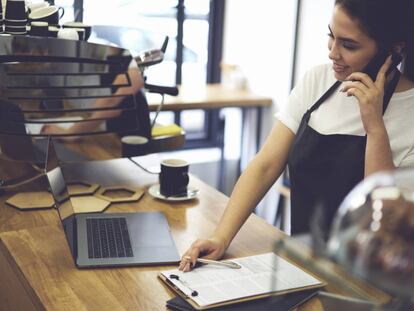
154, 190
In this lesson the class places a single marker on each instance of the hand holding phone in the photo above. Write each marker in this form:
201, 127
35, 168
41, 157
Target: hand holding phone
378, 60
372, 91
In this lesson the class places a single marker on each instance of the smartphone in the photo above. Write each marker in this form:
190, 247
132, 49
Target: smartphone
378, 60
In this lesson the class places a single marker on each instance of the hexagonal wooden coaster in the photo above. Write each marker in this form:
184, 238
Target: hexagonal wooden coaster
31, 200
81, 188
66, 209
88, 204
119, 194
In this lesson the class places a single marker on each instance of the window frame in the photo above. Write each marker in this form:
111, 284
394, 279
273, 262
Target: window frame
213, 125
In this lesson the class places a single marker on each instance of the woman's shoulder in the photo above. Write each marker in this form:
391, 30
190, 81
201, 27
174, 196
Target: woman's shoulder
321, 73
317, 80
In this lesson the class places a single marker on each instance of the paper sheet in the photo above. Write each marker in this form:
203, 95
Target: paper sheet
259, 274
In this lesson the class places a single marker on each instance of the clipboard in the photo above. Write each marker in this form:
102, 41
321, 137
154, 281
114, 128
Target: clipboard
186, 289
281, 303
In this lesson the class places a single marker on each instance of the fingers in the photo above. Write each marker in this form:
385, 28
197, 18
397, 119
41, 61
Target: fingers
361, 77
365, 80
185, 264
193, 254
189, 258
360, 95
381, 76
355, 84
210, 249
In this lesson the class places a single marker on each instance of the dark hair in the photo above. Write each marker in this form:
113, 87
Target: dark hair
387, 22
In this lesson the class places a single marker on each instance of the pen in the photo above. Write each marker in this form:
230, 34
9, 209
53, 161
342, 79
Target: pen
228, 264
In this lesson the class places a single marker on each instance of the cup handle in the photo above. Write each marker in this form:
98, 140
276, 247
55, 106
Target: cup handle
63, 12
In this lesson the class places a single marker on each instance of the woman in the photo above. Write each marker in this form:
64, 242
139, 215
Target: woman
332, 135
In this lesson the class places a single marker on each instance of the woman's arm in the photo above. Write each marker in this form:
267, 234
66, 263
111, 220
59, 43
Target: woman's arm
378, 154
370, 94
252, 185
255, 181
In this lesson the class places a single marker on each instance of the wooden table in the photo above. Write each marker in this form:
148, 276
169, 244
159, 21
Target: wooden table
215, 96
37, 271
209, 96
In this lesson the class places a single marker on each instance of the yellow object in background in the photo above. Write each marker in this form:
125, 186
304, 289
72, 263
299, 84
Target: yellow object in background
166, 130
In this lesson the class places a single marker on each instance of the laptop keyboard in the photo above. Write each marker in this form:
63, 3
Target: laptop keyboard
108, 238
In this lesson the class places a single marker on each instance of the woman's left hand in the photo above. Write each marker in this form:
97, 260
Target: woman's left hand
370, 95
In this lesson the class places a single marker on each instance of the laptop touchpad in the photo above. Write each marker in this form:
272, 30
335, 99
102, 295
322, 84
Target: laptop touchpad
149, 230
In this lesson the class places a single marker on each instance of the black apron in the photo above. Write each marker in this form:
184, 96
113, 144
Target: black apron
323, 169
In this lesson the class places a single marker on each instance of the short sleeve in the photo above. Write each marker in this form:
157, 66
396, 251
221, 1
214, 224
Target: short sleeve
406, 185
291, 114
408, 160
300, 99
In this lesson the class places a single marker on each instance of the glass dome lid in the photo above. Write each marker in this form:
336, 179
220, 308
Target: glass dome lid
372, 235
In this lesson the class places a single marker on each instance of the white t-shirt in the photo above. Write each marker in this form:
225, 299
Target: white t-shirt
340, 114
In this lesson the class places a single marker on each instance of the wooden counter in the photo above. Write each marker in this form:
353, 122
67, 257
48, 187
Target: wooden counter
38, 273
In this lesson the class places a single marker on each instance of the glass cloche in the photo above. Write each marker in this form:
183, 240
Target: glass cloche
372, 235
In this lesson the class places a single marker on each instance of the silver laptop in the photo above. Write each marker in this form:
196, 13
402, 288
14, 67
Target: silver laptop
115, 239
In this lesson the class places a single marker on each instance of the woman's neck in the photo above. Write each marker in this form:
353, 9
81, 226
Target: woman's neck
404, 84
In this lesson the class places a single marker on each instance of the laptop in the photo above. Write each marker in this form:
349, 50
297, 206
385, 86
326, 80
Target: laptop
113, 239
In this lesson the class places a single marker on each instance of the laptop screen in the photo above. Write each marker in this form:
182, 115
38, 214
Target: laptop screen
61, 195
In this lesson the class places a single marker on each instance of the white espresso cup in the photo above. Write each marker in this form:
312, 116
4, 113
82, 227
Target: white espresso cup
37, 5
68, 34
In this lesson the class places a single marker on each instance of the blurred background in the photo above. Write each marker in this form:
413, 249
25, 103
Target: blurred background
264, 46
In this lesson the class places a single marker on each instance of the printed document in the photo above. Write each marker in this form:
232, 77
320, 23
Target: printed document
260, 274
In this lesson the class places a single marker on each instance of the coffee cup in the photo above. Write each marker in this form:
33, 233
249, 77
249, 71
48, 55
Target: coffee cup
15, 23
174, 177
39, 29
53, 31
134, 145
88, 28
81, 33
15, 10
68, 34
36, 5
15, 30
51, 14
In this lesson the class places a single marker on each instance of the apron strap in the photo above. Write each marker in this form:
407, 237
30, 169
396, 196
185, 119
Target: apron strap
389, 91
324, 97
319, 102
